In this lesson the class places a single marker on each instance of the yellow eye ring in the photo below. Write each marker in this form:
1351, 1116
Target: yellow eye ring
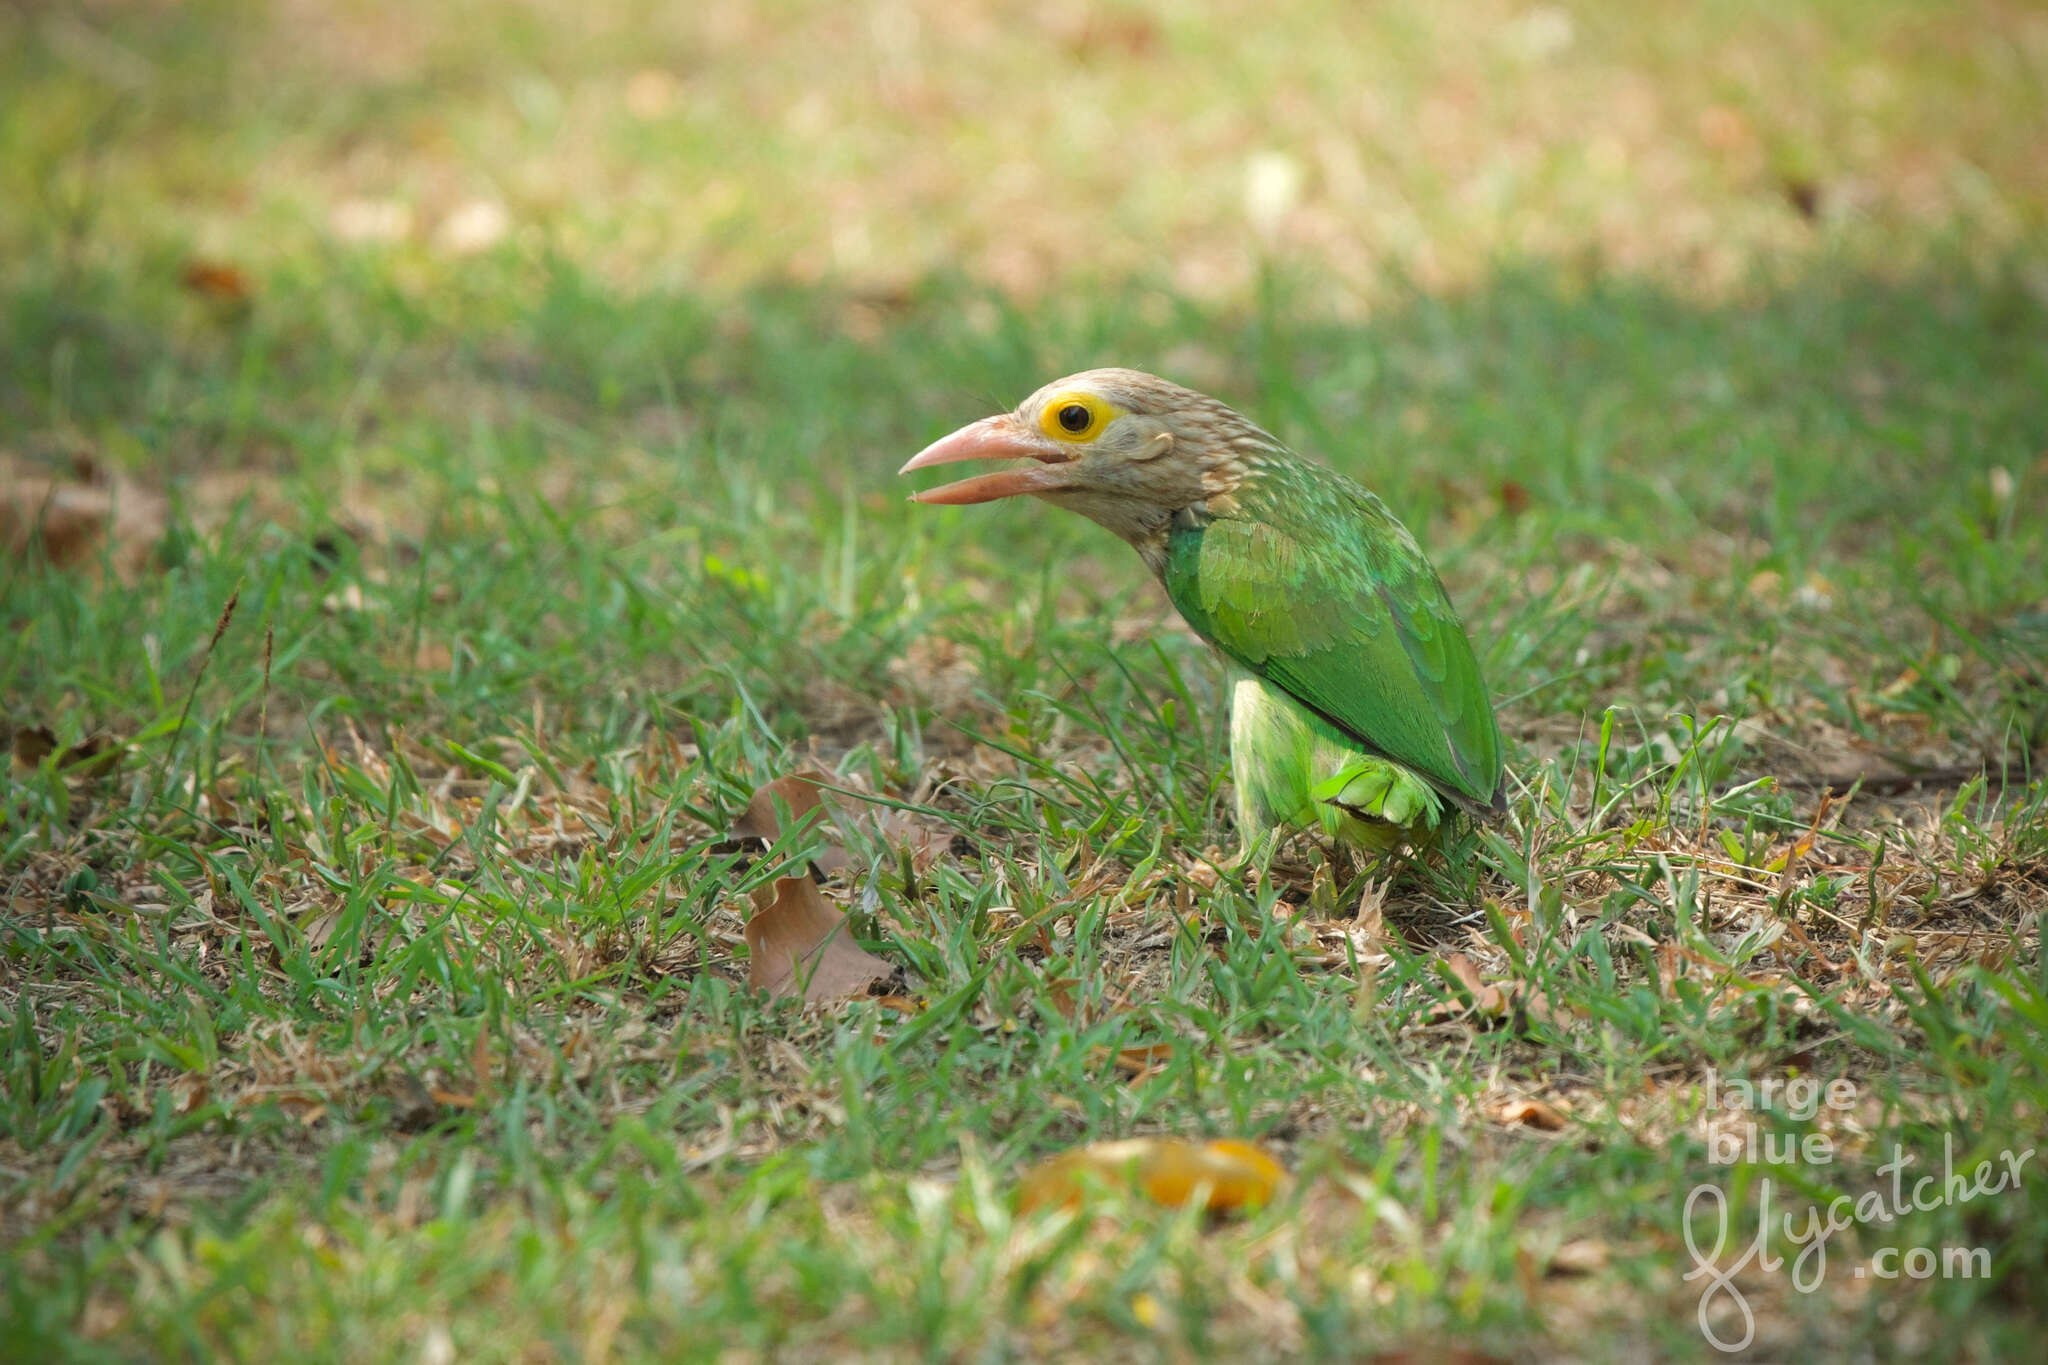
1075, 417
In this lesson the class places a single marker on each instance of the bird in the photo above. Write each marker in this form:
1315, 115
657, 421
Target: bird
1357, 704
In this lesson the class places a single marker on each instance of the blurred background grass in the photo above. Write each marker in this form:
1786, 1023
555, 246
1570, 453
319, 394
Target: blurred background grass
1028, 145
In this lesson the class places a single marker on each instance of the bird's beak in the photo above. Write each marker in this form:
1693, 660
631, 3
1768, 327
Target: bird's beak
993, 438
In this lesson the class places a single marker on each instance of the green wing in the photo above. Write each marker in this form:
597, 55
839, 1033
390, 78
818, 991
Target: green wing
1309, 582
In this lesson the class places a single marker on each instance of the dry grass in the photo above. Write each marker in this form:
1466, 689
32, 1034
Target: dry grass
1048, 147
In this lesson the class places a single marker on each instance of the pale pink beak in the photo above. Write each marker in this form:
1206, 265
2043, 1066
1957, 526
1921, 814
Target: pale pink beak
1001, 437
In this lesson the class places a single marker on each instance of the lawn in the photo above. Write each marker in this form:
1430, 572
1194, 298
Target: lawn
447, 469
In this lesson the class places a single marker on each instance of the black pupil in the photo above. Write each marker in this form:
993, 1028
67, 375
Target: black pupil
1074, 417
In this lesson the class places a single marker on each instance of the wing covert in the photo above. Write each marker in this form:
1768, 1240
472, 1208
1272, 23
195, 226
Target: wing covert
1314, 586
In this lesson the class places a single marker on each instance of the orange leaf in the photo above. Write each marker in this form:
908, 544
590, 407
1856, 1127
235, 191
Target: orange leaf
1136, 1062
1531, 1114
1060, 994
216, 280
1222, 1175
797, 942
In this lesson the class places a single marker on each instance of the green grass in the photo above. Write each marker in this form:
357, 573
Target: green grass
377, 991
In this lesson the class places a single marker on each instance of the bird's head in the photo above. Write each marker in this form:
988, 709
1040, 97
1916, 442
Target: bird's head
1121, 447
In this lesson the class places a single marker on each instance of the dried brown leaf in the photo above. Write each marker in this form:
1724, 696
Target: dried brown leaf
1582, 1256
413, 1108
799, 794
1369, 925
1136, 1062
216, 280
69, 518
1468, 975
1512, 1001
814, 798
32, 744
798, 942
91, 756
1063, 994
1485, 999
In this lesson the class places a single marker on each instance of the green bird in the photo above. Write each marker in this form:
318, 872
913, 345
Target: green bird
1358, 708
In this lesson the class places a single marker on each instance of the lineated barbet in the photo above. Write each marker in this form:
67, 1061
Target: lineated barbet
1358, 708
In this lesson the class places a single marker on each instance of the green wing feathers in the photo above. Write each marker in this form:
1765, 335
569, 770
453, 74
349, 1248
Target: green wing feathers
1311, 584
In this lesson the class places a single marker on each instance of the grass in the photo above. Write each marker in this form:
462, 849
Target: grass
371, 962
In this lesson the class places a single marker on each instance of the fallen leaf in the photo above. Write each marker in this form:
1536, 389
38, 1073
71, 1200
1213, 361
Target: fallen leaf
413, 1108
1787, 863
1530, 1114
1485, 999
797, 942
1803, 195
1512, 1001
1371, 920
1128, 35
1062, 994
90, 757
433, 656
32, 744
1583, 1256
67, 520
799, 794
216, 280
1136, 1062
192, 1090
805, 796
1222, 1175
1526, 1273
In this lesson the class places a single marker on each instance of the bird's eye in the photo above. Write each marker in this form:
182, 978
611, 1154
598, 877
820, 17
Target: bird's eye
1076, 416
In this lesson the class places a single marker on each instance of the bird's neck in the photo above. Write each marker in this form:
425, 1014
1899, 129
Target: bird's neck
1142, 525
